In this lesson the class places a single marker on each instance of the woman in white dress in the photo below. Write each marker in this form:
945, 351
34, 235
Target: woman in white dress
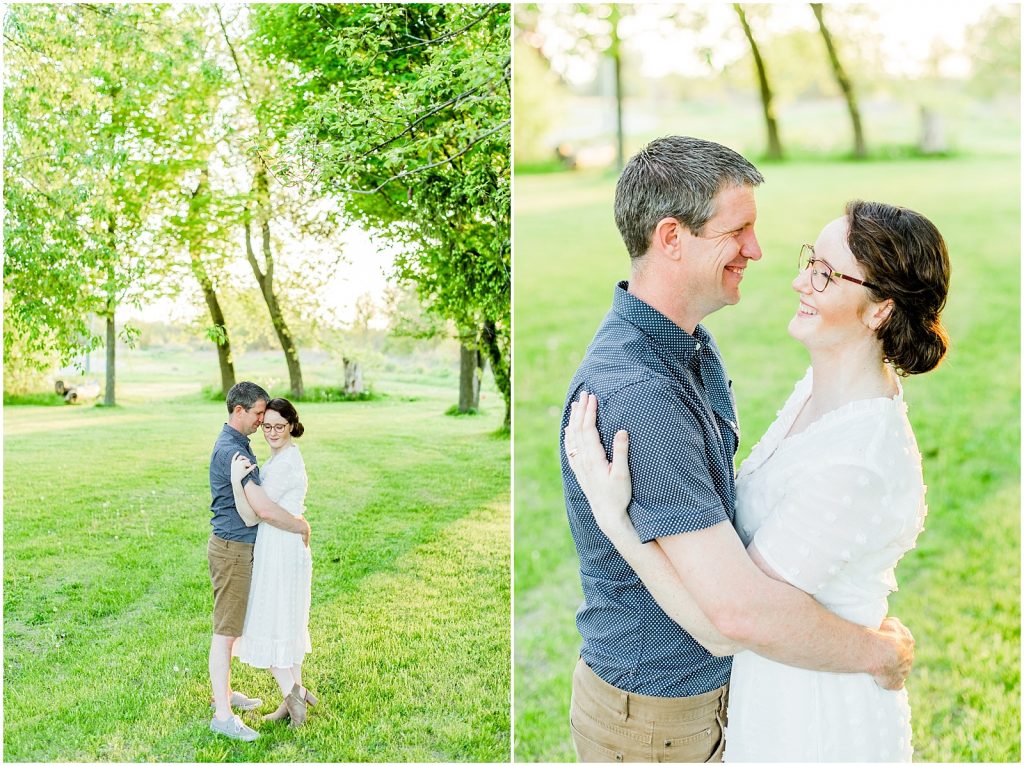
276, 630
832, 496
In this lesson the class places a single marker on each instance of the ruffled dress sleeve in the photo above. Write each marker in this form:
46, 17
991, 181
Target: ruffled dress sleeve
835, 514
289, 481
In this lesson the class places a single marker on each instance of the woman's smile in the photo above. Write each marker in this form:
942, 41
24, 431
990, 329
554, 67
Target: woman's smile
806, 310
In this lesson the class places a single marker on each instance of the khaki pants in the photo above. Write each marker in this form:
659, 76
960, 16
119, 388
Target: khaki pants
610, 725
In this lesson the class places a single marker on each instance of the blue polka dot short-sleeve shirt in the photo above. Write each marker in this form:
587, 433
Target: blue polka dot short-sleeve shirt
226, 523
669, 390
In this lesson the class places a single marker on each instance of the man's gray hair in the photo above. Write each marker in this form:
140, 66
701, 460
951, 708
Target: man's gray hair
675, 177
246, 394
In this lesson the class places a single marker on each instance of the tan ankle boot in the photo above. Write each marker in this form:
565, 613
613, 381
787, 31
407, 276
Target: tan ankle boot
296, 707
279, 714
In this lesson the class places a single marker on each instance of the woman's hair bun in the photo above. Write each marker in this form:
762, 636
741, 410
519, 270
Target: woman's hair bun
905, 258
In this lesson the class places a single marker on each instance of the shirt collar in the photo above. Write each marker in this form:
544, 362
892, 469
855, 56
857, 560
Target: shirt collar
662, 330
235, 435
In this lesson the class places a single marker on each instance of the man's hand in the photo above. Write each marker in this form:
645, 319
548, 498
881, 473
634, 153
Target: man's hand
305, 532
894, 674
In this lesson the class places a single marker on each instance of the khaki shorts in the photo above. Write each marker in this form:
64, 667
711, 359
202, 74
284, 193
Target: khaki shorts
610, 725
230, 574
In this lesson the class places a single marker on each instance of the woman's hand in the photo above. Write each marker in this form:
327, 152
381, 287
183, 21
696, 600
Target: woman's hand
606, 485
241, 466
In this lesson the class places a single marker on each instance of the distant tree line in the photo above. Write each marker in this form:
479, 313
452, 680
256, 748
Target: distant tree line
843, 49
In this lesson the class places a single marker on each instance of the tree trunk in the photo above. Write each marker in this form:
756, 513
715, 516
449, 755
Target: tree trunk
222, 341
774, 142
616, 53
933, 137
353, 376
469, 379
109, 398
481, 364
500, 367
219, 332
860, 150
265, 278
108, 393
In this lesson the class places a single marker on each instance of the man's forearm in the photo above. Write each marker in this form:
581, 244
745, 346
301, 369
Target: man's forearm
656, 573
270, 512
770, 617
278, 517
785, 624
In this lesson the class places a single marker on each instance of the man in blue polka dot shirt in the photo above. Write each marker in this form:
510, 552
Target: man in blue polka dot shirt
647, 688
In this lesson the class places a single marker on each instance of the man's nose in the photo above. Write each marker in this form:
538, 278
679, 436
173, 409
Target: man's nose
750, 248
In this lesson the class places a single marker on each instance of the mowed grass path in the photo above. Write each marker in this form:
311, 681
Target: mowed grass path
107, 599
960, 589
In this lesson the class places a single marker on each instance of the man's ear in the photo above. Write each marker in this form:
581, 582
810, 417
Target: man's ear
667, 233
880, 314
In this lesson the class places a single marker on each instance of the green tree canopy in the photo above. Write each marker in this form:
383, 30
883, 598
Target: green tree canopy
411, 125
96, 140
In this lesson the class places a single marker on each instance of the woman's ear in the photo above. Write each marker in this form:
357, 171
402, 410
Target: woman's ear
880, 313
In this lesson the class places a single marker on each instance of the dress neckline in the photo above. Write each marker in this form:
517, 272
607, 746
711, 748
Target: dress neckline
778, 435
281, 452
857, 406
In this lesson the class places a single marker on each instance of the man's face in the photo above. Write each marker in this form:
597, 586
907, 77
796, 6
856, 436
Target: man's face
715, 261
250, 419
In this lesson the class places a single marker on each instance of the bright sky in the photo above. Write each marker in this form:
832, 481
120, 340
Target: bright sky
365, 270
907, 31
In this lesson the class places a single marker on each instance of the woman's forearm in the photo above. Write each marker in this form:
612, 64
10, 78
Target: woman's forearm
242, 504
656, 572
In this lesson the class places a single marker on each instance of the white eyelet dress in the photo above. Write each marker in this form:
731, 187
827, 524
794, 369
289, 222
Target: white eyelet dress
276, 631
832, 509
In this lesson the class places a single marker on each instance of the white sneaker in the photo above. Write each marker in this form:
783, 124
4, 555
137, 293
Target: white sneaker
234, 729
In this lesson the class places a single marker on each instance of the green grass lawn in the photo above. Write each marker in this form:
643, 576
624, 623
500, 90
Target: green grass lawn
960, 589
107, 599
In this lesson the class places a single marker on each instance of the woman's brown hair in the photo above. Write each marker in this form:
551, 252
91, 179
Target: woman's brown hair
287, 410
905, 258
